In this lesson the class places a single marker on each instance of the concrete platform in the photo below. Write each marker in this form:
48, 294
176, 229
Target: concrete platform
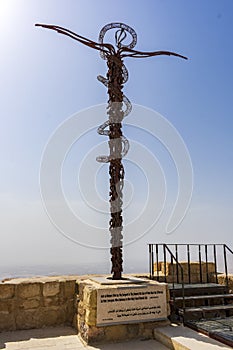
62, 338
178, 337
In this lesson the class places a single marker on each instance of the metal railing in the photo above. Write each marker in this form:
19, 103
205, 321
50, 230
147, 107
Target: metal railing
182, 255
203, 255
173, 258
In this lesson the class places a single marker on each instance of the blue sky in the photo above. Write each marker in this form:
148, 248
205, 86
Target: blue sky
46, 78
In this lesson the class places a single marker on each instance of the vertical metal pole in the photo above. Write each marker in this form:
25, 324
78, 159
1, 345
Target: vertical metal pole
200, 262
215, 265
225, 263
116, 169
188, 253
206, 262
152, 260
177, 268
173, 275
157, 260
165, 262
150, 265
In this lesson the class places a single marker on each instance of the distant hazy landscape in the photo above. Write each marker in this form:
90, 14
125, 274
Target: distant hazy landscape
56, 270
48, 270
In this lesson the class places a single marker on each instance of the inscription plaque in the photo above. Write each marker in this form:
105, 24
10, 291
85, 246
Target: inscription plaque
131, 304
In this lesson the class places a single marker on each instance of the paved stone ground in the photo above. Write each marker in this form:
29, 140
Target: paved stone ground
62, 338
220, 327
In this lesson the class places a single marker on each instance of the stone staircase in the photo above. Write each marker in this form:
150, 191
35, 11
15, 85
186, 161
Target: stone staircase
201, 298
200, 301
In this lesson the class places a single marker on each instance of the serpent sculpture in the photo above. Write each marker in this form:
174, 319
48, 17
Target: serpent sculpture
118, 108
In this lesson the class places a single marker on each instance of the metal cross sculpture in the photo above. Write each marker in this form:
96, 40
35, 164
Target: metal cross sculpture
117, 75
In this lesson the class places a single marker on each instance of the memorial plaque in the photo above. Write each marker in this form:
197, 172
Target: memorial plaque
131, 304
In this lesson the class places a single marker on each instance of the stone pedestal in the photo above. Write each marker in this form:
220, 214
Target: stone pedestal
111, 311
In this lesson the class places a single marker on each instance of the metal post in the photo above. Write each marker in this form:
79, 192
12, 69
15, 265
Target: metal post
215, 265
165, 262
177, 268
157, 260
150, 265
152, 260
200, 262
188, 253
225, 263
206, 261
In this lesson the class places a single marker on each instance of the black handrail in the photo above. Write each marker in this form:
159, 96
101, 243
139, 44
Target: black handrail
225, 248
173, 258
182, 274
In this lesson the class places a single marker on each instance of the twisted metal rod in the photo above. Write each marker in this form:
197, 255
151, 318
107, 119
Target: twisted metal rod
117, 76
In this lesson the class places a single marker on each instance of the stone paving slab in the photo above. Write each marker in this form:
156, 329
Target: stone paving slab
64, 338
183, 338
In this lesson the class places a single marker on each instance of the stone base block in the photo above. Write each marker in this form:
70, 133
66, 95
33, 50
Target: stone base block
118, 311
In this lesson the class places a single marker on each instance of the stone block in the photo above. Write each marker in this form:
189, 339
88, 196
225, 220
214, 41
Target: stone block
41, 317
146, 330
222, 280
157, 267
7, 291
93, 335
80, 288
76, 302
83, 330
51, 301
28, 290
7, 322
116, 333
132, 330
7, 306
90, 317
29, 303
70, 311
81, 309
69, 289
27, 319
51, 289
52, 316
90, 296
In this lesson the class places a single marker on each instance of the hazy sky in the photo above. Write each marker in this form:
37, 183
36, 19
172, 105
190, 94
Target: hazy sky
45, 78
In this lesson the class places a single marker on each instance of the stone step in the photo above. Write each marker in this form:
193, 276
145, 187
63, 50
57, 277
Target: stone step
182, 338
208, 308
198, 289
199, 297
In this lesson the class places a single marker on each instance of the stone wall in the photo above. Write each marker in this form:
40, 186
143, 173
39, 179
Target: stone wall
222, 280
170, 271
37, 302
50, 301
